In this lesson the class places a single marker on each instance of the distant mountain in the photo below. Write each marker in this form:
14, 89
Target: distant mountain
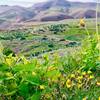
51, 4
85, 13
15, 13
55, 10
52, 10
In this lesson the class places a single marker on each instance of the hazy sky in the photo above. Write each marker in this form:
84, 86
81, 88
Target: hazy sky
30, 2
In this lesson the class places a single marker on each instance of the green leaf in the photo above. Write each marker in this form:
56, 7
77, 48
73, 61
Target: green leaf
36, 96
24, 89
22, 67
35, 80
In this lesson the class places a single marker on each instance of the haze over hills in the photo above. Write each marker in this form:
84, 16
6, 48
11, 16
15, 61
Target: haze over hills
52, 10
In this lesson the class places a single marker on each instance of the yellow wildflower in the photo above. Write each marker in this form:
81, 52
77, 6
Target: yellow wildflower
98, 83
9, 74
9, 61
33, 73
84, 98
91, 76
84, 73
47, 96
51, 68
69, 83
79, 85
64, 96
25, 61
42, 87
80, 77
79, 81
1, 48
72, 76
82, 22
89, 72
99, 98
79, 71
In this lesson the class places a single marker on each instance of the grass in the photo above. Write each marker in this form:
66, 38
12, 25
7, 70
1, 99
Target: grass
60, 70
50, 77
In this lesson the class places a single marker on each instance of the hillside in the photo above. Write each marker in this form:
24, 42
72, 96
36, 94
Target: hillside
52, 10
16, 13
54, 61
48, 53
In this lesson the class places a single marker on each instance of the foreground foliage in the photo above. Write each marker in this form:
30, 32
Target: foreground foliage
71, 77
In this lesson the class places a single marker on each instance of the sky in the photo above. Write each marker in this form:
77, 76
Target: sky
28, 3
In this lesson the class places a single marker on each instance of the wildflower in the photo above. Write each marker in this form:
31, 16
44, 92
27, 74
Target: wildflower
89, 72
82, 22
79, 81
33, 73
42, 87
80, 77
51, 68
1, 48
69, 83
64, 96
98, 83
78, 71
72, 76
84, 73
99, 98
47, 95
84, 98
8, 61
79, 85
91, 76
9, 74
25, 61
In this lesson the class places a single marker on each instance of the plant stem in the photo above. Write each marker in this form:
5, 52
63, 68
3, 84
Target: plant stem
87, 32
97, 7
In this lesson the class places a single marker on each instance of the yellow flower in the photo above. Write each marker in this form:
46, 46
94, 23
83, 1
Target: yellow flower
1, 48
9, 61
84, 98
33, 73
84, 73
25, 61
9, 74
80, 77
51, 68
69, 83
72, 76
82, 22
78, 71
99, 98
98, 83
91, 76
63, 96
79, 85
89, 72
47, 96
79, 81
42, 87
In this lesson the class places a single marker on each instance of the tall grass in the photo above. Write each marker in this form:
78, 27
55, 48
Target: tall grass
97, 8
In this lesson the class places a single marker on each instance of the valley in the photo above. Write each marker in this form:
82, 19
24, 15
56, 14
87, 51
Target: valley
50, 51
33, 40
